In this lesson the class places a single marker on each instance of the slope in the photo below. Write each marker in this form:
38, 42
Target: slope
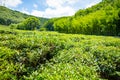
100, 19
34, 55
8, 16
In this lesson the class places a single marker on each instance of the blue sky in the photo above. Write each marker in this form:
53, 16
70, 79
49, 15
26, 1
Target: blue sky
48, 8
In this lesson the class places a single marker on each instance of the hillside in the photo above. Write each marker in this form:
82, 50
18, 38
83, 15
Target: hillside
83, 54
34, 55
100, 19
8, 16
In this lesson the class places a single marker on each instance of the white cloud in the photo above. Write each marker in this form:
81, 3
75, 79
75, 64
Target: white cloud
49, 12
92, 3
37, 13
54, 3
59, 3
58, 8
10, 3
25, 10
72, 1
54, 8
35, 5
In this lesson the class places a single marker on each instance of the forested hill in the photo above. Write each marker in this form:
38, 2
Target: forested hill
8, 16
100, 19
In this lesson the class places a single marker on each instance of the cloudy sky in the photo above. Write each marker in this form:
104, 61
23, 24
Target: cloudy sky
48, 8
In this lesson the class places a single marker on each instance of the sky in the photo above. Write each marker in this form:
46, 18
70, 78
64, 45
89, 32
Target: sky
48, 8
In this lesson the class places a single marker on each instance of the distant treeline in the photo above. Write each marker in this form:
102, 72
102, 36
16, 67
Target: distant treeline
100, 19
8, 16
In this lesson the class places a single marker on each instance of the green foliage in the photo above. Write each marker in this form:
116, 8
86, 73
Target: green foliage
3, 27
62, 25
50, 55
71, 71
100, 19
29, 24
42, 29
107, 68
34, 55
49, 25
8, 16
13, 26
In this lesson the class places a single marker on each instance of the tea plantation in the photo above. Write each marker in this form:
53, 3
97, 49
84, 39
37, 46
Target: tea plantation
34, 55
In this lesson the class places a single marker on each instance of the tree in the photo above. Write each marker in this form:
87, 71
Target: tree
49, 25
30, 23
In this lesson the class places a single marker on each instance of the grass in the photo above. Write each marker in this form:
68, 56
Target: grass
34, 55
3, 27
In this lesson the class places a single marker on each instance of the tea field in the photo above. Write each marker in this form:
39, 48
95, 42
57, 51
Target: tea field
35, 55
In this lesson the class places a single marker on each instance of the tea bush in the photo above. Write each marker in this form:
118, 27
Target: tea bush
34, 55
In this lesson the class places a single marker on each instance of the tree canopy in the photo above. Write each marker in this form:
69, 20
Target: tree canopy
8, 16
30, 23
100, 19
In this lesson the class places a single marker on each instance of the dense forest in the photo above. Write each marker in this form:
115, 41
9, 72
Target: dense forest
8, 16
100, 19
